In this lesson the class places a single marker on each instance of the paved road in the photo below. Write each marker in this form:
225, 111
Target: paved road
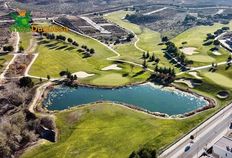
205, 136
156, 11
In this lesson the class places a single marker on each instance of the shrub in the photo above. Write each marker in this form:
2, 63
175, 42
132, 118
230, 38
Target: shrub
8, 48
47, 122
26, 82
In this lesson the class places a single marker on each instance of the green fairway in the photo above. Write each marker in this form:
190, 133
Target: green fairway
61, 56
148, 40
195, 38
219, 79
202, 58
112, 79
105, 130
25, 38
127, 75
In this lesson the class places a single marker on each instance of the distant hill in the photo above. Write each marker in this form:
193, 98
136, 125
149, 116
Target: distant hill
85, 6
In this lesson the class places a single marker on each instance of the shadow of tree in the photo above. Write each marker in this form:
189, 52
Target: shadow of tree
138, 73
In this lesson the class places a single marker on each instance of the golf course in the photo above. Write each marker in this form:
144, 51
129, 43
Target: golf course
108, 129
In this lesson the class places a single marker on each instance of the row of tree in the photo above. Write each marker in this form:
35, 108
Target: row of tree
87, 52
172, 50
150, 58
163, 75
52, 36
68, 75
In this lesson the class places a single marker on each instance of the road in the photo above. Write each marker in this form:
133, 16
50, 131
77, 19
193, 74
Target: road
205, 136
156, 11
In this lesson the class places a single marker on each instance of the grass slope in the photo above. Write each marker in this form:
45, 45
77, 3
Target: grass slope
55, 56
106, 130
195, 38
61, 56
148, 39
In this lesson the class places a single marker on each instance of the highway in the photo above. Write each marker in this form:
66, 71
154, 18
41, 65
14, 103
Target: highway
205, 135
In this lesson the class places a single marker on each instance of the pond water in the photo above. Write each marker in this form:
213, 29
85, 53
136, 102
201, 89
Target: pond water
146, 96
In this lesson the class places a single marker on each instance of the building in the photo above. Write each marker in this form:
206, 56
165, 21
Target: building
223, 148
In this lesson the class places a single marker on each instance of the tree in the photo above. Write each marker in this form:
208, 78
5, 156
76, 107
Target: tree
144, 64
91, 51
70, 40
191, 137
26, 82
84, 47
229, 58
8, 48
165, 39
61, 37
153, 57
216, 42
75, 43
63, 73
147, 55
144, 55
21, 49
171, 48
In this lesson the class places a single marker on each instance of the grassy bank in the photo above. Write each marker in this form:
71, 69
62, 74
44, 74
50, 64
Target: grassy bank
55, 56
194, 37
106, 130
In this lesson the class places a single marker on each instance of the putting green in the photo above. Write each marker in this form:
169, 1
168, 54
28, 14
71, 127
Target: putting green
219, 79
113, 79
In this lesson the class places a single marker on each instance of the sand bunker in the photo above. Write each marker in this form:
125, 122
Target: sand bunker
194, 74
111, 67
82, 74
189, 50
187, 82
216, 53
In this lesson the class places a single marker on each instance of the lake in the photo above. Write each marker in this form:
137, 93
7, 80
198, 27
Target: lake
146, 96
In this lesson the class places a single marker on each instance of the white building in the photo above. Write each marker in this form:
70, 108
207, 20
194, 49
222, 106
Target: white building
223, 148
